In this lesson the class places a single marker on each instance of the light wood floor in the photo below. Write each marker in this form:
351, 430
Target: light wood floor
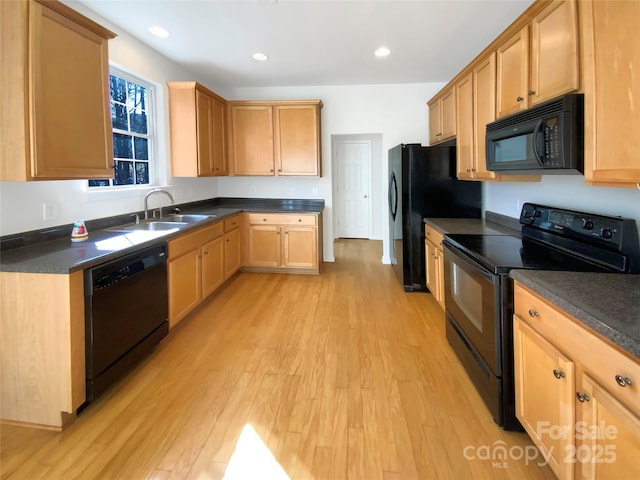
337, 376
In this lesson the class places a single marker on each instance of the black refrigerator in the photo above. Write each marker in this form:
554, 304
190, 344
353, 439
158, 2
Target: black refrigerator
423, 183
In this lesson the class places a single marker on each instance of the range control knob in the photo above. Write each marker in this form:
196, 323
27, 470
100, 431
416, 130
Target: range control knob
537, 213
606, 233
587, 224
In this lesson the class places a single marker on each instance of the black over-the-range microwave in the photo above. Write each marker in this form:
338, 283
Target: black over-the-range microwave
545, 139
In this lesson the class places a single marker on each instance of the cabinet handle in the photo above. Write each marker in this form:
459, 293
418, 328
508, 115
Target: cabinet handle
533, 313
205, 253
582, 397
558, 374
287, 232
271, 169
300, 220
264, 219
623, 381
473, 170
228, 240
532, 92
519, 99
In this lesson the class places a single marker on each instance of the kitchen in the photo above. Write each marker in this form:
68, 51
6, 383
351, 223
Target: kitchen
348, 109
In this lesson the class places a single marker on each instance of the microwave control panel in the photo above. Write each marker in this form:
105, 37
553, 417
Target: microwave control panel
552, 146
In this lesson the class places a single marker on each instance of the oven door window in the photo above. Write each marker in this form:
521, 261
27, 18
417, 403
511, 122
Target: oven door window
471, 299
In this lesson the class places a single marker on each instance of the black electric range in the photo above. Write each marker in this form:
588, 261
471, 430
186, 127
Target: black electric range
479, 292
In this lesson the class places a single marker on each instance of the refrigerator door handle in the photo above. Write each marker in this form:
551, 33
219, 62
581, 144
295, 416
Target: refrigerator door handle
393, 205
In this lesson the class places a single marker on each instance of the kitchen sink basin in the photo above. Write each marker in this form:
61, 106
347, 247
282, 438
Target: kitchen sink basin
151, 226
177, 218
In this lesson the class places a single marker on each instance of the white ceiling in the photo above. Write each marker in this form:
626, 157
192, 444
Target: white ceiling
316, 42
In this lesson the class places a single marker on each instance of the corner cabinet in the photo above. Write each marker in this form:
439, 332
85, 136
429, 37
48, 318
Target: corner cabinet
539, 62
198, 131
576, 394
275, 138
442, 117
612, 89
55, 116
283, 242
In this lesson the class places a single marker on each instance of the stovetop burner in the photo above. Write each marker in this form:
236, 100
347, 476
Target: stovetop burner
557, 239
501, 253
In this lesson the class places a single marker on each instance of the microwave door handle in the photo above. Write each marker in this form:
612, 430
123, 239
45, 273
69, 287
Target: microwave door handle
534, 140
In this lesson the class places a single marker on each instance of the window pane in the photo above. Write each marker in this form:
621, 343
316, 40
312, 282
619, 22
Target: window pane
99, 183
138, 121
137, 97
119, 116
142, 173
122, 146
141, 146
124, 173
118, 88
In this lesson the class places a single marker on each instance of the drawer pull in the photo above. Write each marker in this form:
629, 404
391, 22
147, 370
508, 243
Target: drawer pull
533, 313
519, 99
623, 381
582, 397
558, 374
299, 219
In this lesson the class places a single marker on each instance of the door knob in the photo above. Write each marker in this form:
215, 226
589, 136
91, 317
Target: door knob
366, 196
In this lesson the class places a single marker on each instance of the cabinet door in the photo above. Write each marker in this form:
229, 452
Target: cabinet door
612, 90
231, 252
252, 139
512, 59
439, 256
545, 386
435, 129
554, 52
297, 140
610, 436
432, 269
71, 117
484, 111
449, 115
184, 285
213, 261
464, 119
203, 134
265, 248
218, 137
300, 247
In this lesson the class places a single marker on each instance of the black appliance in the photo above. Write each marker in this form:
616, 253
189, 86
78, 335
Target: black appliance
479, 292
545, 139
423, 183
126, 314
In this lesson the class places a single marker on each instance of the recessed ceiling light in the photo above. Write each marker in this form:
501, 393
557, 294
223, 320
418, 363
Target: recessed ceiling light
158, 31
382, 52
261, 57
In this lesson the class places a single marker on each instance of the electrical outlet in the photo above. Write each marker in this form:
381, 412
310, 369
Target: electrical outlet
292, 191
518, 207
314, 191
49, 211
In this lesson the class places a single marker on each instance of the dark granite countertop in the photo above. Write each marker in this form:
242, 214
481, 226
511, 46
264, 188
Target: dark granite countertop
51, 250
492, 224
608, 303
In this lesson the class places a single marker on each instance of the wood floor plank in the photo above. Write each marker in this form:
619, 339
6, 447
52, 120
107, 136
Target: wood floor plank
339, 376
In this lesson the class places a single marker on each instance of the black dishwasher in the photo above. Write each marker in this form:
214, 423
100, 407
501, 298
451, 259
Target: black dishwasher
126, 314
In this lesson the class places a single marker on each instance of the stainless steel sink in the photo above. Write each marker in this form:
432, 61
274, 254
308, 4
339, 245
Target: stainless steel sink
186, 218
151, 226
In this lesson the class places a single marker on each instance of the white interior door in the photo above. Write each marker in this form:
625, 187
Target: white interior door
354, 184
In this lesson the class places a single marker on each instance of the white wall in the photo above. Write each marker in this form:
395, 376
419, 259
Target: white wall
397, 112
21, 203
567, 191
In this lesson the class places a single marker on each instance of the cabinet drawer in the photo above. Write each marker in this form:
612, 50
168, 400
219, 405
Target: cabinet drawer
193, 240
231, 223
281, 219
433, 235
599, 358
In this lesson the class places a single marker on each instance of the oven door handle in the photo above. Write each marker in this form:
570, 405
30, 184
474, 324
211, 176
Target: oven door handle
461, 256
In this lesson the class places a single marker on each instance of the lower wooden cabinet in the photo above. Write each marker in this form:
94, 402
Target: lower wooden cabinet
576, 395
283, 242
434, 263
195, 269
232, 246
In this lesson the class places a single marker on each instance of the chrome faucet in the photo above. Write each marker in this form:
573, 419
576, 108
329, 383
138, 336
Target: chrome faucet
146, 200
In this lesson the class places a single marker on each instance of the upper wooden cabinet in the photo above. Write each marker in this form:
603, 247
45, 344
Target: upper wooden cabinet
198, 131
442, 117
541, 61
275, 138
55, 116
611, 77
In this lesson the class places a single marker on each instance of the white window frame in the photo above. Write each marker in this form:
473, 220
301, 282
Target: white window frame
152, 129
